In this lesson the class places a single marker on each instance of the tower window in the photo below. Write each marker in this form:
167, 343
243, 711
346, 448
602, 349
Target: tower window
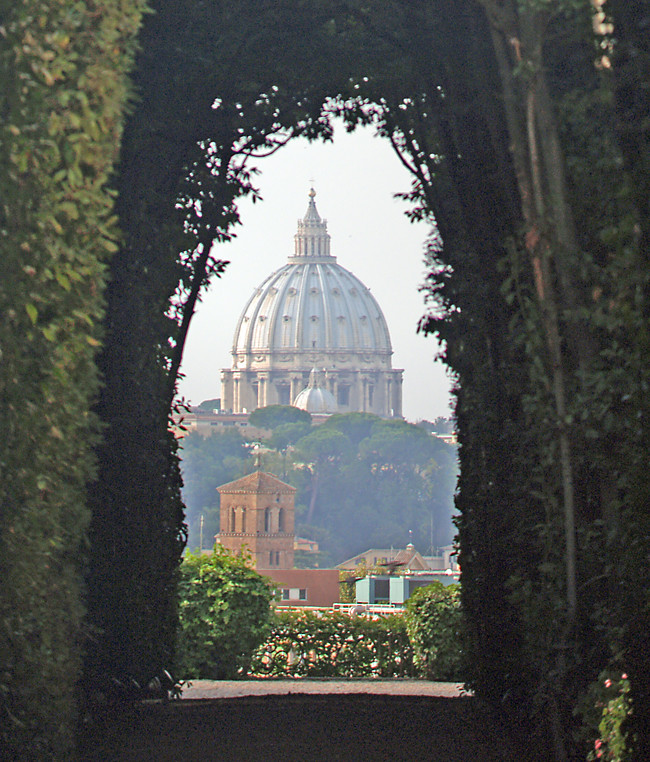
267, 520
371, 394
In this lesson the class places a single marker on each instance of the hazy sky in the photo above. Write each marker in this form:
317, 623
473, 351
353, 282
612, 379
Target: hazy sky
355, 179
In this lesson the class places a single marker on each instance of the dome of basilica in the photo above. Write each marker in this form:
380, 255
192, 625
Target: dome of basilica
312, 312
312, 303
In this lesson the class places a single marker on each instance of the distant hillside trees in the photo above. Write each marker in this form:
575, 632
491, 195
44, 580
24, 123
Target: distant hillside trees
361, 481
209, 462
439, 425
272, 416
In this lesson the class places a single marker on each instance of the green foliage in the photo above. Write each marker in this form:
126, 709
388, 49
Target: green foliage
355, 426
224, 614
209, 462
348, 578
440, 425
391, 477
322, 445
371, 490
210, 405
308, 644
272, 416
288, 434
209, 109
607, 711
434, 623
63, 89
424, 642
436, 82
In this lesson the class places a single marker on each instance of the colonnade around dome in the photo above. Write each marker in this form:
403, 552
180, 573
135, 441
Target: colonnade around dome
364, 391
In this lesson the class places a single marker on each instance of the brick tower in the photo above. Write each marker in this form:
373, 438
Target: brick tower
258, 511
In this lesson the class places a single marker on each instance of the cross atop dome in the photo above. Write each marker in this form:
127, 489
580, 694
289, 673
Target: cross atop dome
312, 216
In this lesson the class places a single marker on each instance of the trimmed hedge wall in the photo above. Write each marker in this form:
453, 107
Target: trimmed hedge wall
62, 93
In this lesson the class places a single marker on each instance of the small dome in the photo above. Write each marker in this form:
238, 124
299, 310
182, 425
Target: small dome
316, 398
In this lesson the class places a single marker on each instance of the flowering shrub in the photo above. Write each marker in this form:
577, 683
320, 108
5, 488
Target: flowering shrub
307, 644
610, 696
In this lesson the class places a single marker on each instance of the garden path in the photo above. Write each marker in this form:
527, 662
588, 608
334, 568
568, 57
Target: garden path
327, 721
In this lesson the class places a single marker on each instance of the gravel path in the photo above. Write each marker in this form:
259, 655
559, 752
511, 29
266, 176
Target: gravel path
210, 689
330, 725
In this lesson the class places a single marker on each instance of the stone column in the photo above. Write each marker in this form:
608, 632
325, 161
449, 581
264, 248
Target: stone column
296, 387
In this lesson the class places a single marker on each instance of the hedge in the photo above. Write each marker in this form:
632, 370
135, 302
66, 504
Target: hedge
63, 89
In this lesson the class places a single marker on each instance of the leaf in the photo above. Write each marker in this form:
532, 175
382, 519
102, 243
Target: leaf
109, 245
63, 281
70, 209
50, 332
32, 312
55, 224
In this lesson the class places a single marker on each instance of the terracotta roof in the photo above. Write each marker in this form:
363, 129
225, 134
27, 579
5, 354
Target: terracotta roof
257, 482
412, 559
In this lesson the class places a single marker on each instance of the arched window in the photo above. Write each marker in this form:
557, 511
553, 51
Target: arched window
243, 519
267, 519
232, 519
281, 520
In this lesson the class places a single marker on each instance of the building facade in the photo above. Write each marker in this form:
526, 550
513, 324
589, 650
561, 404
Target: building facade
257, 513
299, 588
396, 589
312, 313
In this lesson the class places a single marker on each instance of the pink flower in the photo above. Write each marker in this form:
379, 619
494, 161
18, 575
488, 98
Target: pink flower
608, 683
598, 743
624, 676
